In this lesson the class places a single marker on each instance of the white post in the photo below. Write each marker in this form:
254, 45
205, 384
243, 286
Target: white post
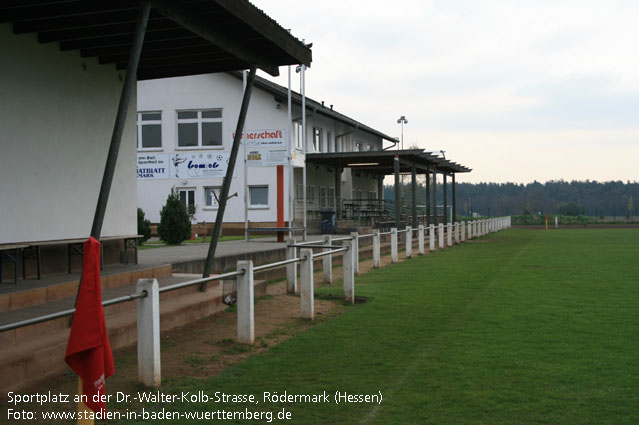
394, 256
349, 272
441, 235
409, 241
291, 269
462, 226
449, 234
356, 250
470, 230
556, 222
148, 312
327, 261
245, 303
376, 249
307, 301
456, 233
420, 239
431, 237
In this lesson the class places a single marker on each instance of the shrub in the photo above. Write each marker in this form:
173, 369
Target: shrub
144, 226
175, 225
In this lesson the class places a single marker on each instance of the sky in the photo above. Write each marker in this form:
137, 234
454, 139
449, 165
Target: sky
516, 90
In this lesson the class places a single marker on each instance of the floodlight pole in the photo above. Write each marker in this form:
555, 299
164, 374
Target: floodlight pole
226, 184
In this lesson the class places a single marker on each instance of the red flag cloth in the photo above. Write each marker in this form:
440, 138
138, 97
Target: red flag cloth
88, 350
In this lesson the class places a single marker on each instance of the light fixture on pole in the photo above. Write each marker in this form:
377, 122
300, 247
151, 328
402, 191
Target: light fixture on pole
402, 120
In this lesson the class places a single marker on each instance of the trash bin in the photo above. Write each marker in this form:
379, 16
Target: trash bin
328, 222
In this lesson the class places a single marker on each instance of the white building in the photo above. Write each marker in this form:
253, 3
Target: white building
185, 134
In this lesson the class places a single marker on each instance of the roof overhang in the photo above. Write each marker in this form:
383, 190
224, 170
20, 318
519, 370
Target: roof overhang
383, 162
183, 37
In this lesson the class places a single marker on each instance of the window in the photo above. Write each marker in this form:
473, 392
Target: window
300, 192
369, 147
212, 196
331, 197
338, 144
317, 139
149, 130
354, 194
258, 196
297, 131
310, 194
329, 142
323, 196
372, 195
199, 128
187, 198
358, 147
360, 196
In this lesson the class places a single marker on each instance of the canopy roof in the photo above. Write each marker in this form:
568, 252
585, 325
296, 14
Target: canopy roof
382, 162
183, 37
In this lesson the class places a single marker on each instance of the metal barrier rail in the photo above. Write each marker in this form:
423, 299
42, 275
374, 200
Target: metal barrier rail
276, 265
369, 235
201, 280
321, 254
348, 238
69, 312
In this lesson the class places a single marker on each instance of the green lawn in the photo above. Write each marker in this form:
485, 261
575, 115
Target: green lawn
521, 327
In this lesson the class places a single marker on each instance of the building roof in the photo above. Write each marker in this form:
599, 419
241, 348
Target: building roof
183, 37
382, 162
313, 106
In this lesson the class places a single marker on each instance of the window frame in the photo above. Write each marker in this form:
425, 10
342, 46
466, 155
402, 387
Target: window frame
199, 121
250, 199
140, 123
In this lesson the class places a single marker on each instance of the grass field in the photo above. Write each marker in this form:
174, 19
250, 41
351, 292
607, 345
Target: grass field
521, 327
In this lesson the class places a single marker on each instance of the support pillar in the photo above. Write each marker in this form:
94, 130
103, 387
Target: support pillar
454, 201
307, 297
420, 239
226, 183
434, 206
355, 237
376, 249
409, 241
397, 188
394, 250
449, 234
413, 189
349, 273
445, 185
428, 200
327, 261
431, 237
338, 192
245, 303
291, 269
148, 313
441, 235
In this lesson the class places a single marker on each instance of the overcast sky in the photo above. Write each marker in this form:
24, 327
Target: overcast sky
516, 90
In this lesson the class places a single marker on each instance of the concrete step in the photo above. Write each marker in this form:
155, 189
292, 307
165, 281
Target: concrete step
32, 358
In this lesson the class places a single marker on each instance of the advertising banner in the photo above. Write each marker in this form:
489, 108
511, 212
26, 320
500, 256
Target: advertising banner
265, 148
153, 166
187, 165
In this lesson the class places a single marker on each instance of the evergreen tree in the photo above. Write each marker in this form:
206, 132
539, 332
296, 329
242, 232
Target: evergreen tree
144, 226
175, 225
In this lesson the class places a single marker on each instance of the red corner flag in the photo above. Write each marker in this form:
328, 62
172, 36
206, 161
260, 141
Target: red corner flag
88, 349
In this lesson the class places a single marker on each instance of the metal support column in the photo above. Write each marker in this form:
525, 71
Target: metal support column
338, 192
445, 200
454, 201
226, 184
434, 198
428, 203
413, 189
128, 89
397, 199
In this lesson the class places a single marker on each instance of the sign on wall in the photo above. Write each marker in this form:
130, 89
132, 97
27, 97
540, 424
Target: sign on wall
265, 148
188, 165
153, 166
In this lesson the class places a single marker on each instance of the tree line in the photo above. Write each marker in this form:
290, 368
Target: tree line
591, 198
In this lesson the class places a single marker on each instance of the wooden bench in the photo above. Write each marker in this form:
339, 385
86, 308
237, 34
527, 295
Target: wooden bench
74, 247
6, 251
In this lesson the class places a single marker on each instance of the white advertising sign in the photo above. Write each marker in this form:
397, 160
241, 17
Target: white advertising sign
153, 166
187, 165
265, 148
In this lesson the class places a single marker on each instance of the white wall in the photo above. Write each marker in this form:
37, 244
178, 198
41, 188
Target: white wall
211, 91
57, 120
